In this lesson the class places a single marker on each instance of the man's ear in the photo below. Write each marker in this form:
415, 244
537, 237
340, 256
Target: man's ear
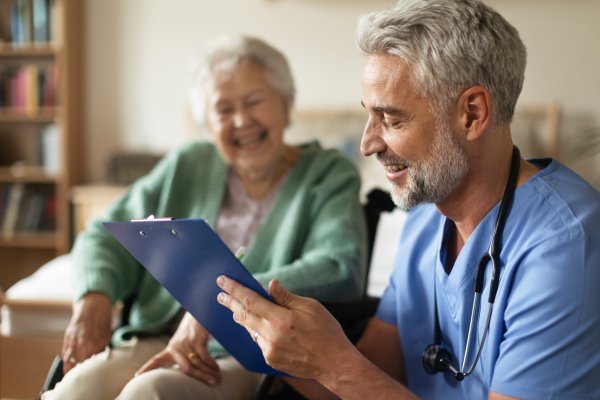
474, 112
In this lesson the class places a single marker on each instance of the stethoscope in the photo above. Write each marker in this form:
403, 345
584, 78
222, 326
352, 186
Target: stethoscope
436, 359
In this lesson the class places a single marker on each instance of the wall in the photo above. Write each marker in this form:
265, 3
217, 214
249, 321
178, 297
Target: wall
138, 52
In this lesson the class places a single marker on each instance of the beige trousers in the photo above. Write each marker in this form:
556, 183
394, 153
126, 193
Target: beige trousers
110, 375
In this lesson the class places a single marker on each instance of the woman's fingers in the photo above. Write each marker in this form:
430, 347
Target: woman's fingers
80, 344
187, 348
89, 331
69, 360
161, 359
204, 359
202, 372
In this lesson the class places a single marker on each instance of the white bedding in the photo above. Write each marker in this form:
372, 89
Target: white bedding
52, 282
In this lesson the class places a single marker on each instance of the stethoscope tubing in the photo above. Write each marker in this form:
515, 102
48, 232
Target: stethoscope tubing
492, 254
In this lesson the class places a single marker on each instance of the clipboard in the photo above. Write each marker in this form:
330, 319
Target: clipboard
186, 256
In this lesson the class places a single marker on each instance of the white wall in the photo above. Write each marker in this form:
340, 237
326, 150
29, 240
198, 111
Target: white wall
138, 52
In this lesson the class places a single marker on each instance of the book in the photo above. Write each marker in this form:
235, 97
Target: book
3, 202
25, 21
50, 150
56, 23
24, 209
41, 26
18, 88
15, 28
31, 89
49, 94
42, 76
48, 220
12, 210
36, 212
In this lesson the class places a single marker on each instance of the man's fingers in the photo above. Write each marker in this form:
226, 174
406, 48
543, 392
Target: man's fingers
248, 297
241, 314
247, 301
283, 297
161, 359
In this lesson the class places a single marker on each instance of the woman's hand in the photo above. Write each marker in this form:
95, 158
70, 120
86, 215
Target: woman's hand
298, 336
89, 331
187, 348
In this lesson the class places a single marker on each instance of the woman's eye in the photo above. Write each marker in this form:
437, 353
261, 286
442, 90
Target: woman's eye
224, 111
254, 102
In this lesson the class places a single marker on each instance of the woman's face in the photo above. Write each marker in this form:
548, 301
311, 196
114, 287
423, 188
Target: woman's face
246, 118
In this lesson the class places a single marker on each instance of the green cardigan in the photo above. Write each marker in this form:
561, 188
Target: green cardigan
313, 240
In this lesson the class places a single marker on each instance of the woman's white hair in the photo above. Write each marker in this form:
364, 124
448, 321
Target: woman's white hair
225, 53
450, 46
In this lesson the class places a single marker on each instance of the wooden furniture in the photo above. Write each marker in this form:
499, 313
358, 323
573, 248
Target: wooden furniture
21, 253
25, 360
91, 200
535, 129
30, 360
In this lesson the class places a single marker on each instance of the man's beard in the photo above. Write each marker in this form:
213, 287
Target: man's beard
434, 178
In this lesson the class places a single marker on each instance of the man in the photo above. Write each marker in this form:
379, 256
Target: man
440, 84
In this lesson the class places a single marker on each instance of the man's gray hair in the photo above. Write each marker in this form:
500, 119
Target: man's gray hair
225, 53
450, 46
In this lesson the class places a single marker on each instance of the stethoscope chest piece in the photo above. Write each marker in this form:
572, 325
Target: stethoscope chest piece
433, 358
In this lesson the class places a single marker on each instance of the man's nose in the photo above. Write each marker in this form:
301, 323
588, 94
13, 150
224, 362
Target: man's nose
372, 142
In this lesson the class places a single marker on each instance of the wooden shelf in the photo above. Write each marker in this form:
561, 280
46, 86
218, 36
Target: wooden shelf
29, 50
25, 174
32, 240
11, 114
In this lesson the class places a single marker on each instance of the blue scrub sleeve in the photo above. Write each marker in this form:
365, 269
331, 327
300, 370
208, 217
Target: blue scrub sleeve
387, 311
552, 324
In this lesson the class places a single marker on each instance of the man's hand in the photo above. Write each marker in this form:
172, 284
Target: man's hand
89, 331
297, 336
187, 348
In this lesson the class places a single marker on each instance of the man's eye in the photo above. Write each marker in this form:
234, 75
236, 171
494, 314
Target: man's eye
391, 124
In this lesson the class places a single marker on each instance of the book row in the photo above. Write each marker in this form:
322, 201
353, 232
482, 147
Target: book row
27, 208
32, 21
28, 88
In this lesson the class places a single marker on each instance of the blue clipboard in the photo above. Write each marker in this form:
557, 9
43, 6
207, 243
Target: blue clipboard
186, 256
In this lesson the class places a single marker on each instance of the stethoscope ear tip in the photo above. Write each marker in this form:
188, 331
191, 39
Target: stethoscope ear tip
459, 376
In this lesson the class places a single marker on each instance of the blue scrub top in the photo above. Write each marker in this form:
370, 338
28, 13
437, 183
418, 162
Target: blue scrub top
544, 335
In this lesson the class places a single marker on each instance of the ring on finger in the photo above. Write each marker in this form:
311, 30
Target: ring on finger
255, 336
192, 356
73, 360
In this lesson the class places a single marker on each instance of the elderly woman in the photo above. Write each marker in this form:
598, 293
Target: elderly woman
295, 208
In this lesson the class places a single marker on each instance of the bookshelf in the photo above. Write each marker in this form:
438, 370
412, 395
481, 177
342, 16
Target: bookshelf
40, 130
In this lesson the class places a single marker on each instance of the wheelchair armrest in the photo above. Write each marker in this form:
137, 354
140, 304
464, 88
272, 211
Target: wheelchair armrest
354, 316
359, 309
55, 375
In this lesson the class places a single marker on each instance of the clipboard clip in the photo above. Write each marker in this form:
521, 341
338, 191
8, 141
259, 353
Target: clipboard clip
151, 218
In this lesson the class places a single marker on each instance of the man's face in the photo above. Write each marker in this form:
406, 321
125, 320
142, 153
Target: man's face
421, 156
